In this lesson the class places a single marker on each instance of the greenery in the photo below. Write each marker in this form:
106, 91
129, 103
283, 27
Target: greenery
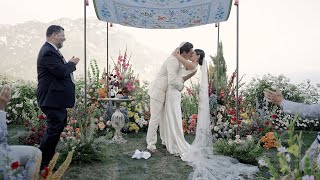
288, 164
119, 165
246, 151
219, 70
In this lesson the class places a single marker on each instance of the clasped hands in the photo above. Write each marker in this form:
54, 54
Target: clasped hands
74, 60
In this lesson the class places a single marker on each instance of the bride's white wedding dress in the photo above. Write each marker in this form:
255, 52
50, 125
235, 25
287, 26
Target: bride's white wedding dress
199, 154
173, 136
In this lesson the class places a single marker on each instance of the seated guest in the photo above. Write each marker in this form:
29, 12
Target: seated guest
24, 156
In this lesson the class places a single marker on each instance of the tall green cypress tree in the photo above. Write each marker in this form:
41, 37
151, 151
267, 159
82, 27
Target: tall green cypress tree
219, 71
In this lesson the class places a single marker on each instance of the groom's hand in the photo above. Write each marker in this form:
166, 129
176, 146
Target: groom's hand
5, 96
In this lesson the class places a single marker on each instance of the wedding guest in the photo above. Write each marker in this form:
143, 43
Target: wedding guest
56, 89
290, 107
18, 155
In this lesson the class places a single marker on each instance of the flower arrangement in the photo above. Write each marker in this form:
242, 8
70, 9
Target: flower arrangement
223, 127
189, 100
290, 166
36, 127
122, 79
245, 150
193, 123
22, 102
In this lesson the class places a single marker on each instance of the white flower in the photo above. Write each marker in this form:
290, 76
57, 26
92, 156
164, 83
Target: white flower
230, 131
249, 137
229, 141
307, 177
288, 157
238, 141
15, 95
262, 162
282, 149
216, 128
237, 136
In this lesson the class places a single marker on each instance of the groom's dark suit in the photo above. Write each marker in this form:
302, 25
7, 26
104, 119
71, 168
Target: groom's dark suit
55, 93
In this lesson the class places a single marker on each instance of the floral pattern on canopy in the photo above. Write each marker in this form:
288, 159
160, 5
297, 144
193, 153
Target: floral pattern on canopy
163, 14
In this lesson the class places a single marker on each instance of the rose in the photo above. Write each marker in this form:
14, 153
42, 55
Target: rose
15, 165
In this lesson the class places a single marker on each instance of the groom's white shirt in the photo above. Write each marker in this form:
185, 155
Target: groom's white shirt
168, 75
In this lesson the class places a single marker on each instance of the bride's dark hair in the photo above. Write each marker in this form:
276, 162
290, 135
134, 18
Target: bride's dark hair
200, 53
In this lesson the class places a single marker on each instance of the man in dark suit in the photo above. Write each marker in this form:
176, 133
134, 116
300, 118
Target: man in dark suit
56, 89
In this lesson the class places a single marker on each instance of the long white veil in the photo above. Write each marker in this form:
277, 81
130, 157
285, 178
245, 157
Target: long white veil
205, 164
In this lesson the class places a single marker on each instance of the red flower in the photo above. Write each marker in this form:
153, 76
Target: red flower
274, 116
15, 165
232, 112
41, 117
45, 172
259, 130
267, 123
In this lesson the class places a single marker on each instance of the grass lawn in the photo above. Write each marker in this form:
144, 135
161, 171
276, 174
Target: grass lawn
120, 165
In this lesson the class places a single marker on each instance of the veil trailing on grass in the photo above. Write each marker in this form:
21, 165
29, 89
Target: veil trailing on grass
200, 156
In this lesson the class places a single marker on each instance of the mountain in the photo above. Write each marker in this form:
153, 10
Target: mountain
21, 43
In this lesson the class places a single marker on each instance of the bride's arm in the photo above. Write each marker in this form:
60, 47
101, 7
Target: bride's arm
188, 64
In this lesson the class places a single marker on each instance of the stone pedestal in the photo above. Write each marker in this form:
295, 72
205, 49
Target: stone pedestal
117, 119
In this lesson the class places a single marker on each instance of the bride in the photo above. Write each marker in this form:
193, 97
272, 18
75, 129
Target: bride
199, 154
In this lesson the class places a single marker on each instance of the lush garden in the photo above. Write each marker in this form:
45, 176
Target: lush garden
262, 135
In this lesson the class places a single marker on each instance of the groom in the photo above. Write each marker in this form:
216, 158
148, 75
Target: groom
56, 89
168, 75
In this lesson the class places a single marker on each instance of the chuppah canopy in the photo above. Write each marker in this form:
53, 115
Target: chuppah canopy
162, 14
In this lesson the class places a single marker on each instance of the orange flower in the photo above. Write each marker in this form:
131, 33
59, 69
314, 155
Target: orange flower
185, 126
269, 140
102, 92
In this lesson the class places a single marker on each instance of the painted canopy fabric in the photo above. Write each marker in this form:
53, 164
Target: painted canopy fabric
162, 14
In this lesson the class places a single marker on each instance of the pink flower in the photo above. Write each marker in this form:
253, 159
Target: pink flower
236, 2
120, 58
194, 116
63, 134
130, 86
125, 65
189, 91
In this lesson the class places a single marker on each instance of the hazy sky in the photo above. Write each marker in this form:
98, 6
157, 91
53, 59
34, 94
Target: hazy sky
276, 36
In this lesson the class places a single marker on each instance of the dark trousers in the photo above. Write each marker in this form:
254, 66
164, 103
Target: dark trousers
56, 121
